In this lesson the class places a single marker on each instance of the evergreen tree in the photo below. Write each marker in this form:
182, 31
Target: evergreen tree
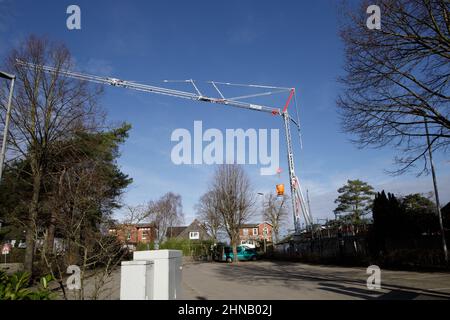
409, 217
82, 177
354, 201
387, 219
420, 215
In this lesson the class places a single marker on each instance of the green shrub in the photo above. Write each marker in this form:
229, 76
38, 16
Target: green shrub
15, 287
177, 244
196, 249
145, 246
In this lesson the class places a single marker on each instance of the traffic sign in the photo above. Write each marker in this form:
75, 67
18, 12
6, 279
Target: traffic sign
6, 248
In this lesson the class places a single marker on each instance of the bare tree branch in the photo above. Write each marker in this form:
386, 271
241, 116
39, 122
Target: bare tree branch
397, 78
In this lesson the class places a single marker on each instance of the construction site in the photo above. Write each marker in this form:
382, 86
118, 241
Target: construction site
319, 172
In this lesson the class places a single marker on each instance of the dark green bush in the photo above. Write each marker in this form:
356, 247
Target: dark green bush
196, 249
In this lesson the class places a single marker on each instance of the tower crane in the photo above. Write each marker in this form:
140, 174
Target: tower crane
299, 205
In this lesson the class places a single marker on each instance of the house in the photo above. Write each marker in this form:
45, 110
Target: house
194, 231
174, 232
255, 233
133, 234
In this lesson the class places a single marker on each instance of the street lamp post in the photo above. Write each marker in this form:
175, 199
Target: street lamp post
262, 196
12, 78
436, 194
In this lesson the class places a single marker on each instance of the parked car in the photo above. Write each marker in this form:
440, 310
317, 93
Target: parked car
243, 254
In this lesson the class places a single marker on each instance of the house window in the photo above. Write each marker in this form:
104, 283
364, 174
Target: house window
255, 231
245, 232
128, 236
145, 233
194, 235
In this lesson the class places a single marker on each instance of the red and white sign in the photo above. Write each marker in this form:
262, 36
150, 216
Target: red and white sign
6, 248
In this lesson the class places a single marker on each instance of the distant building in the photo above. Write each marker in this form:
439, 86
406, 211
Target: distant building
133, 234
174, 232
194, 231
12, 234
255, 233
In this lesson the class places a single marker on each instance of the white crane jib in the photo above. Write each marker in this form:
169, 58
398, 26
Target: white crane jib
299, 206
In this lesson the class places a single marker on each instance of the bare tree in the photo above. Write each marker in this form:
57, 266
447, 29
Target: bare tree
136, 214
165, 213
78, 224
235, 199
46, 108
85, 188
209, 215
397, 78
275, 212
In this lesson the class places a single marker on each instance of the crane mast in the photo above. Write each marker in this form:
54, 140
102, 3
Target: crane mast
299, 207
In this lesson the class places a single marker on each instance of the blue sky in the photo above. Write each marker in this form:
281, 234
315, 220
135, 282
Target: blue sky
283, 43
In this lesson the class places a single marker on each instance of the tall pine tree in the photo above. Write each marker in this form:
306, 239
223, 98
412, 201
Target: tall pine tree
354, 201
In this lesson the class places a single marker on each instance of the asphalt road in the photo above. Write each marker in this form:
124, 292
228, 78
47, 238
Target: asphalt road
264, 280
261, 280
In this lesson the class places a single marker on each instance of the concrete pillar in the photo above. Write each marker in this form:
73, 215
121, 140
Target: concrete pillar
136, 280
167, 265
